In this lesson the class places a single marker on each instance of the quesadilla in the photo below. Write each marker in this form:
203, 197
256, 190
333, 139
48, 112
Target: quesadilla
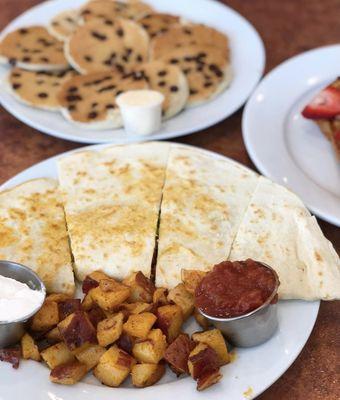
204, 200
111, 200
278, 230
33, 233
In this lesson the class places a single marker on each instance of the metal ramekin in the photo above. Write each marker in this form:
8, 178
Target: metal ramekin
11, 332
253, 328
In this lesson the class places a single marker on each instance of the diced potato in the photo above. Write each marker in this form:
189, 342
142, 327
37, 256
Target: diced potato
92, 280
202, 360
58, 297
139, 325
177, 353
56, 355
96, 314
46, 318
150, 350
144, 375
90, 356
191, 278
29, 349
77, 330
208, 379
87, 302
126, 342
135, 308
215, 340
142, 288
180, 296
114, 366
170, 320
110, 294
68, 374
109, 330
68, 307
54, 335
202, 321
160, 296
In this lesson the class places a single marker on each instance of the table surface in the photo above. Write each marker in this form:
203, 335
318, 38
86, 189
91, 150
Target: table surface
287, 28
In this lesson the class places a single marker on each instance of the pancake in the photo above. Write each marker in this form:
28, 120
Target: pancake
37, 88
112, 200
278, 230
89, 100
204, 200
64, 24
171, 82
33, 48
157, 23
107, 11
98, 47
33, 233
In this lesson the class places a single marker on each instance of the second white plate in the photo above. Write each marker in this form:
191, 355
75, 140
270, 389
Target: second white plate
245, 44
288, 148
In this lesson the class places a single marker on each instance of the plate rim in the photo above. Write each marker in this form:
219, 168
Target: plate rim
158, 136
247, 133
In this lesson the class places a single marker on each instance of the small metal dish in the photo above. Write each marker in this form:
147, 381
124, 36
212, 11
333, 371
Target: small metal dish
12, 331
253, 328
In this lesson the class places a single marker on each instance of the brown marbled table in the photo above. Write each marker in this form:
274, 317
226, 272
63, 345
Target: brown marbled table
287, 27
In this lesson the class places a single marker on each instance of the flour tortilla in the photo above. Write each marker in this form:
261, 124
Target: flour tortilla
278, 230
33, 233
204, 200
112, 200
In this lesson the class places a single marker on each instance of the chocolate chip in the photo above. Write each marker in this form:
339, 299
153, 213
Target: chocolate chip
201, 55
193, 91
44, 59
69, 19
16, 74
120, 68
161, 83
98, 36
173, 61
42, 95
107, 88
94, 104
145, 26
186, 70
189, 58
119, 92
87, 58
16, 86
71, 107
187, 31
128, 50
173, 88
199, 68
40, 81
120, 32
72, 89
92, 114
108, 22
110, 106
208, 84
162, 72
139, 58
73, 97
26, 59
125, 58
23, 31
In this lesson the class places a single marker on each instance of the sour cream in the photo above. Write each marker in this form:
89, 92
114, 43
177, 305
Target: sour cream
17, 300
141, 111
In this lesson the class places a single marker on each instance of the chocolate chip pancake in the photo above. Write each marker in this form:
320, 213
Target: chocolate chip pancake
207, 70
37, 88
90, 99
64, 24
33, 48
99, 47
107, 10
188, 35
171, 82
157, 23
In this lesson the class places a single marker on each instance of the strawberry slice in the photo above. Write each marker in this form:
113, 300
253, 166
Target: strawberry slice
325, 104
337, 136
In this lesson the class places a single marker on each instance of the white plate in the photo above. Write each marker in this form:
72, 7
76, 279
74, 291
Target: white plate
253, 371
288, 148
245, 45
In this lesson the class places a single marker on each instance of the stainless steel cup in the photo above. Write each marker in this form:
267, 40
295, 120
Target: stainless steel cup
11, 332
253, 328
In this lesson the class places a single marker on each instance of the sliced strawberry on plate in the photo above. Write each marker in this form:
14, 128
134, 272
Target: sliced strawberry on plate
325, 104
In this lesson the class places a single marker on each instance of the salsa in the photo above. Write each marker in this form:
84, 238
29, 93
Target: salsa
235, 288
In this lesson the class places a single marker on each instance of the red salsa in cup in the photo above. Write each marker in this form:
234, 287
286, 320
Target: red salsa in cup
235, 288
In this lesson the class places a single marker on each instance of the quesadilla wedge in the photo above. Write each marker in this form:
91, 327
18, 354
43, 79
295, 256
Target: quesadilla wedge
111, 200
278, 230
33, 232
204, 200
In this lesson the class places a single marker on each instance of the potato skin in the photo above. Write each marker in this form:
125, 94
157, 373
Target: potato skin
177, 354
69, 373
29, 349
144, 375
215, 340
170, 320
142, 288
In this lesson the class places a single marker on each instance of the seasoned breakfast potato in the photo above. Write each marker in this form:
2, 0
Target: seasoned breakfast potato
202, 321
56, 355
150, 350
46, 318
114, 366
110, 294
139, 325
77, 330
68, 374
170, 320
215, 340
110, 329
126, 342
90, 356
29, 349
96, 314
92, 280
142, 288
191, 278
68, 307
177, 353
58, 297
54, 335
160, 297
180, 296
135, 308
144, 375
208, 379
87, 302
